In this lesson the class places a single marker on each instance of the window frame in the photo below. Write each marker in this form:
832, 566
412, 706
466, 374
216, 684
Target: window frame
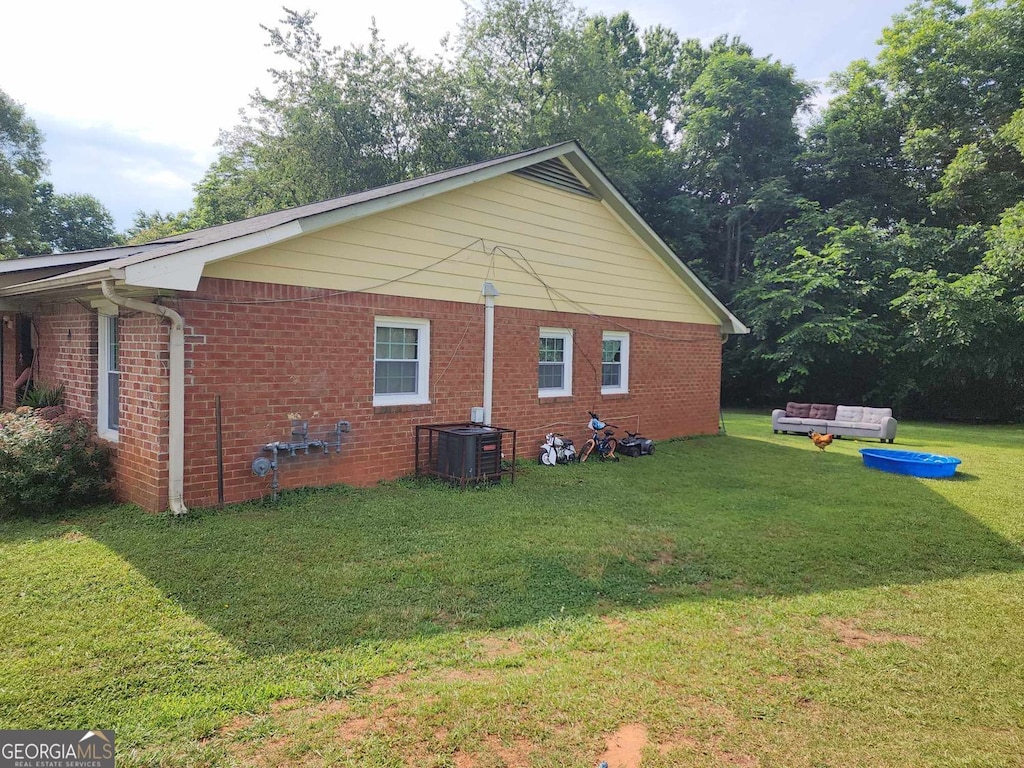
566, 335
422, 394
623, 386
103, 371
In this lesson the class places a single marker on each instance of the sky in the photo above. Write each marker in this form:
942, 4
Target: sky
132, 96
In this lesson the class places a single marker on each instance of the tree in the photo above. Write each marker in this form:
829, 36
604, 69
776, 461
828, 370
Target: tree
817, 319
956, 75
22, 165
739, 142
509, 52
34, 218
853, 153
147, 227
73, 222
338, 121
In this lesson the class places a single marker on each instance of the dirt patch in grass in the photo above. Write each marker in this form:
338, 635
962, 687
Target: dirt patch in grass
499, 648
492, 751
238, 723
465, 676
616, 624
662, 560
852, 636
282, 705
350, 730
709, 710
684, 741
515, 753
679, 741
388, 683
625, 747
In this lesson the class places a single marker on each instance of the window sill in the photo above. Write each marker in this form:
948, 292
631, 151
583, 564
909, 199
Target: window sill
554, 399
615, 395
400, 408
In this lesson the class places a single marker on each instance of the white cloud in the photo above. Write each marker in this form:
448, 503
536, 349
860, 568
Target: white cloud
164, 179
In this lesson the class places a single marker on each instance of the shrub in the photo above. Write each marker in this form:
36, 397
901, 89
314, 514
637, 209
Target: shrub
43, 396
50, 465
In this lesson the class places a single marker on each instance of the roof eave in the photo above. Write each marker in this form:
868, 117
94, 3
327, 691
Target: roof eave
54, 284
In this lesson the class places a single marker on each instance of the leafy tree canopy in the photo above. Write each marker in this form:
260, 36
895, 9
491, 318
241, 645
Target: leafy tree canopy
33, 218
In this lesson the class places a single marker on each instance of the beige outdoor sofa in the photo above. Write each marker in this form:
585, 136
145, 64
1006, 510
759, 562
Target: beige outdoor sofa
838, 420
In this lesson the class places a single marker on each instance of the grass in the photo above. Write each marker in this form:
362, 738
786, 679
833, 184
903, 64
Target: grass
741, 600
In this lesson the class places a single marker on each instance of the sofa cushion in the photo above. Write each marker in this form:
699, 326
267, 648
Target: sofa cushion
801, 425
849, 413
862, 425
876, 415
798, 410
822, 411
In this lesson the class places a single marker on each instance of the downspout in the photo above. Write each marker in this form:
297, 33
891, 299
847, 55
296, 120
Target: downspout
489, 292
176, 380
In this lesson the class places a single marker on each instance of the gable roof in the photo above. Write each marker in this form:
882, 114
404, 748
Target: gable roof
177, 262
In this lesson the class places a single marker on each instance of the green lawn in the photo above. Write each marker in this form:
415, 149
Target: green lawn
731, 601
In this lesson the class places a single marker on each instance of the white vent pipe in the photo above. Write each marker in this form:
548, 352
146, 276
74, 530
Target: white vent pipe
489, 292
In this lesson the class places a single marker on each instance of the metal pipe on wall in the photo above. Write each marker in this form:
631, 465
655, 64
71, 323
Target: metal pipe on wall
176, 381
489, 292
220, 452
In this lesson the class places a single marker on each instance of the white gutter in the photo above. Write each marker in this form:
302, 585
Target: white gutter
489, 292
176, 406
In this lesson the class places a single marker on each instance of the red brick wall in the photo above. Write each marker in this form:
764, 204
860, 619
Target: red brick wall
9, 363
266, 360
66, 352
142, 426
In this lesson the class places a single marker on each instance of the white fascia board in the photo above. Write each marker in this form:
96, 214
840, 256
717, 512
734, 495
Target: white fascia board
55, 283
611, 196
181, 271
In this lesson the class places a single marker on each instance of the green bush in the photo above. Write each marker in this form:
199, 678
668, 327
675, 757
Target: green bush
50, 465
43, 396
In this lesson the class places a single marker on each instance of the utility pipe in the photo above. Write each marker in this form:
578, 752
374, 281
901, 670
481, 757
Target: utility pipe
489, 292
176, 380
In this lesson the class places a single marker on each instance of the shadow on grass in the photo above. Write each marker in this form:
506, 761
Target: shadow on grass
718, 517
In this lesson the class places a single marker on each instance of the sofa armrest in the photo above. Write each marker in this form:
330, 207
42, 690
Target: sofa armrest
889, 425
776, 415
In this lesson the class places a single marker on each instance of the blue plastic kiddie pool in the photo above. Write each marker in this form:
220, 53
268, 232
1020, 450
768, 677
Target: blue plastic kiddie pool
909, 462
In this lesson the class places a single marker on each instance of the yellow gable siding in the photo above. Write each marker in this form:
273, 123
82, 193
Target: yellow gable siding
542, 248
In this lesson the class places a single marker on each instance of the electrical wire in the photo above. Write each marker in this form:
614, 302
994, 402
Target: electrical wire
332, 294
506, 251
469, 324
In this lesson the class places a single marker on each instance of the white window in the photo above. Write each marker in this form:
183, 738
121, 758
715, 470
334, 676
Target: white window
554, 363
401, 362
614, 363
109, 372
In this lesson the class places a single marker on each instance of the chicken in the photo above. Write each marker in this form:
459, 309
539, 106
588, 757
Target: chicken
820, 440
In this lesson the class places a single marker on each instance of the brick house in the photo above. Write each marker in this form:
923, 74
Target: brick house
369, 308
